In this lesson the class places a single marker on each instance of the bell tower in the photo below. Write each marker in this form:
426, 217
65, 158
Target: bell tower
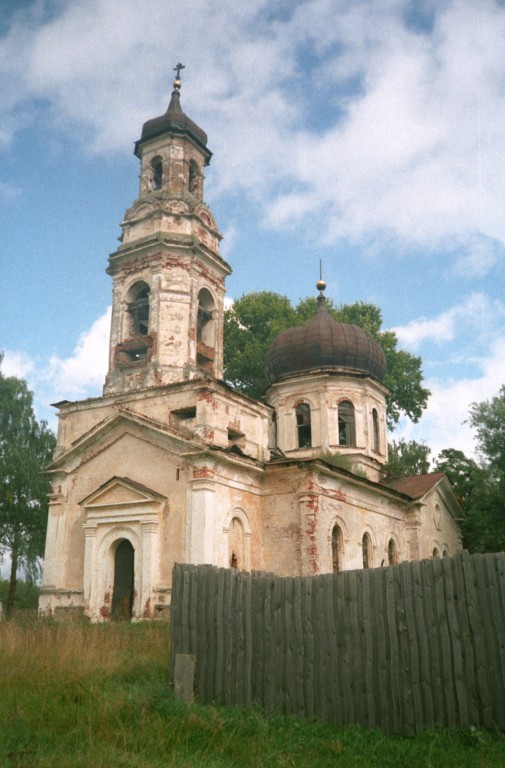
168, 276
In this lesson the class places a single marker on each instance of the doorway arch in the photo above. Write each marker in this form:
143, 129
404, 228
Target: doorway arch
124, 581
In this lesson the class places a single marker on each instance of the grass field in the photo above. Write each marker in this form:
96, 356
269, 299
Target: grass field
97, 695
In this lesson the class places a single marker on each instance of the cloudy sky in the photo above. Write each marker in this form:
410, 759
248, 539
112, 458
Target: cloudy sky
369, 134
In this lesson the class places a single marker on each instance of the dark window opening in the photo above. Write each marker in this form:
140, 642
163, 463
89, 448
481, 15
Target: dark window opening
193, 182
137, 350
182, 414
235, 437
205, 330
392, 553
136, 354
375, 427
157, 166
303, 425
367, 551
336, 549
436, 553
233, 560
346, 427
182, 418
138, 308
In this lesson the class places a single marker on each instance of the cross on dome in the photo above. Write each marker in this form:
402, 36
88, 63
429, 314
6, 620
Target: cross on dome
177, 69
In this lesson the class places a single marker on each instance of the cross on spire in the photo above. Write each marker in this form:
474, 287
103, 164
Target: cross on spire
177, 69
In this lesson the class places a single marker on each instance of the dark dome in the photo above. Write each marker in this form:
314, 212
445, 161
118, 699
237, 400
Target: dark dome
174, 120
324, 344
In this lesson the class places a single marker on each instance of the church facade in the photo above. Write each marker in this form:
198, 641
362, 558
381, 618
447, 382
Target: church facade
172, 465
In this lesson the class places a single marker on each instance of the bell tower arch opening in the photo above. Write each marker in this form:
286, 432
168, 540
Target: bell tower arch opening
157, 171
205, 330
124, 581
194, 179
138, 309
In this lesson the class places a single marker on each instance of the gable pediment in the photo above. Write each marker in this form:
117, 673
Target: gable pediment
120, 491
113, 429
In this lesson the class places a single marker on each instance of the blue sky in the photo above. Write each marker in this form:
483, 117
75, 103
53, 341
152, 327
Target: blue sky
366, 134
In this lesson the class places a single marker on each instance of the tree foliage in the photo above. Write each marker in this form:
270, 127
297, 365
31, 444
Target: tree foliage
407, 458
484, 527
488, 418
481, 486
254, 320
25, 447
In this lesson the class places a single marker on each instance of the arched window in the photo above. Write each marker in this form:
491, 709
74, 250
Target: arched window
303, 425
193, 178
337, 549
375, 427
236, 544
436, 553
392, 553
346, 428
446, 553
205, 329
367, 550
138, 308
157, 166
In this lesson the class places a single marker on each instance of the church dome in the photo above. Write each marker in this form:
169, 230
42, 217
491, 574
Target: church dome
323, 344
173, 121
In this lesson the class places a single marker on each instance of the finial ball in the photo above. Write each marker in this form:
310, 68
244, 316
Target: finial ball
320, 285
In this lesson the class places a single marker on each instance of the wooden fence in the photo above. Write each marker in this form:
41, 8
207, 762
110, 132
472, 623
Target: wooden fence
404, 648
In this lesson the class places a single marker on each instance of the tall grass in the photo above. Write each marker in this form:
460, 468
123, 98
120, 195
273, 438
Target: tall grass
92, 696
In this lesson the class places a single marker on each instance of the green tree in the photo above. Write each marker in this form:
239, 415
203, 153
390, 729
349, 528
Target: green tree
484, 524
407, 458
254, 320
488, 418
250, 326
465, 474
25, 447
473, 488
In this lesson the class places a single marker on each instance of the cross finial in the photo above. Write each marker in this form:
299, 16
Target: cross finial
177, 81
321, 285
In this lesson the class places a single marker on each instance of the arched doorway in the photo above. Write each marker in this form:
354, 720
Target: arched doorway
122, 595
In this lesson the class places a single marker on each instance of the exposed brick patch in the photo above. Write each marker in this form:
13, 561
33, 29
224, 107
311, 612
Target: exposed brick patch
203, 472
311, 517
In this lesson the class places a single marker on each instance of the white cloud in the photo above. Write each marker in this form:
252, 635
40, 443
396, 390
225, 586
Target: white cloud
476, 315
84, 372
444, 424
477, 258
412, 153
16, 364
8, 191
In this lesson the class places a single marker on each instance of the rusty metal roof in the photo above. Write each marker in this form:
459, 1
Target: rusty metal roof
415, 485
324, 344
173, 121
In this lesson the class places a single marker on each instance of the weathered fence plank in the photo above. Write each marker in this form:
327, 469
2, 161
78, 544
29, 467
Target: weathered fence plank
395, 670
330, 631
480, 689
496, 638
403, 648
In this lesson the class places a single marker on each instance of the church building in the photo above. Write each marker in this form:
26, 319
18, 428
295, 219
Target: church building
171, 464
